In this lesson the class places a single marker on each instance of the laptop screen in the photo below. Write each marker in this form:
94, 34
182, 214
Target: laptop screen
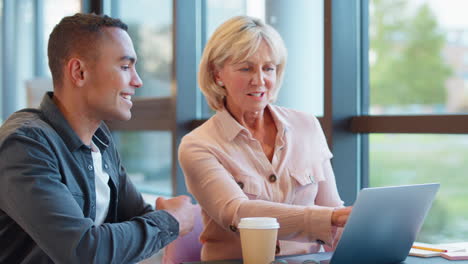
384, 223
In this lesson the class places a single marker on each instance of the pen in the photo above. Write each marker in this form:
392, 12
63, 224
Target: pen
430, 249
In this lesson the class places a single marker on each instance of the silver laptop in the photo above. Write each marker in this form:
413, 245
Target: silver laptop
383, 224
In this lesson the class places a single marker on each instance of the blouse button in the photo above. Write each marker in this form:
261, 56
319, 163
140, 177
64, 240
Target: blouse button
90, 167
233, 228
312, 180
272, 178
241, 184
105, 166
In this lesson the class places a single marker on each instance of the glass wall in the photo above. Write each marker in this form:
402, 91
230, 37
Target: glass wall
418, 66
151, 28
48, 15
24, 49
1, 56
30, 23
418, 51
54, 11
398, 159
147, 154
147, 157
218, 11
302, 27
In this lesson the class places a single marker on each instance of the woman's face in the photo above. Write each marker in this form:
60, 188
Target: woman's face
250, 84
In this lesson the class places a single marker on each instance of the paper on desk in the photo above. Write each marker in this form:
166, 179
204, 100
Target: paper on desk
458, 245
451, 247
455, 255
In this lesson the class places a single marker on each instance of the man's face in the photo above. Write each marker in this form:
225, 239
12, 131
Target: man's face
112, 77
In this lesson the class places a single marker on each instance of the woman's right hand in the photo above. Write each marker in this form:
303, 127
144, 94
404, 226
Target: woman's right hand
340, 216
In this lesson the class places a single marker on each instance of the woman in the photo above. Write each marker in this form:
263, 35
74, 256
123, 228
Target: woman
253, 158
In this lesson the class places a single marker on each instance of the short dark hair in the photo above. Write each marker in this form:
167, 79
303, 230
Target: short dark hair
76, 34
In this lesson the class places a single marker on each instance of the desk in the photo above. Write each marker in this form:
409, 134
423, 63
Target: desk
297, 259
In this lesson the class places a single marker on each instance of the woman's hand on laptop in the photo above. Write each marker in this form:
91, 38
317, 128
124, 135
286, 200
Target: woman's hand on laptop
340, 216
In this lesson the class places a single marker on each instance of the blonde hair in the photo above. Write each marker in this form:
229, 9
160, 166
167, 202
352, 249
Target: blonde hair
238, 39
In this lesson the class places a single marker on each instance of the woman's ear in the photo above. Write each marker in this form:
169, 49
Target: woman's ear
218, 81
77, 71
217, 76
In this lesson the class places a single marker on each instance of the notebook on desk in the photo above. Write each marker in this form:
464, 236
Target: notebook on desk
383, 224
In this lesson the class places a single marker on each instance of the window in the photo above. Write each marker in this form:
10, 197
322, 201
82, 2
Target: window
393, 146
24, 52
28, 25
46, 17
146, 141
416, 79
150, 27
417, 55
1, 55
218, 11
301, 25
465, 56
147, 158
152, 37
54, 11
398, 159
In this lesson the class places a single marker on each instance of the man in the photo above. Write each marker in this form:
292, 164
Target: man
64, 195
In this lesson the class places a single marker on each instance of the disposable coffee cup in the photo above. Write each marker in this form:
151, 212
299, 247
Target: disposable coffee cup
258, 239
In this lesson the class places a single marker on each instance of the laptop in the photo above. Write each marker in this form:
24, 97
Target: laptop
381, 228
383, 224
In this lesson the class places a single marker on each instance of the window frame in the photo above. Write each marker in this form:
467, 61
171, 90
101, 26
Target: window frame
165, 114
345, 122
9, 96
355, 122
349, 93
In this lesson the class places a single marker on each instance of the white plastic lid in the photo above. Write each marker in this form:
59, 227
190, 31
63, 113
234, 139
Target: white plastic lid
258, 223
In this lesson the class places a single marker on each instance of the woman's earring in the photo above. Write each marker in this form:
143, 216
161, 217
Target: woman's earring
220, 83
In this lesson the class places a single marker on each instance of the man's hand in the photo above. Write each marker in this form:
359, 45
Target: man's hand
340, 216
181, 209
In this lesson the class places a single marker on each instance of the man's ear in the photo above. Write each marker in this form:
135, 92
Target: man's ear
76, 69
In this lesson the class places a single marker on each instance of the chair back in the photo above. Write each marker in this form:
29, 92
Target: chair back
186, 248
